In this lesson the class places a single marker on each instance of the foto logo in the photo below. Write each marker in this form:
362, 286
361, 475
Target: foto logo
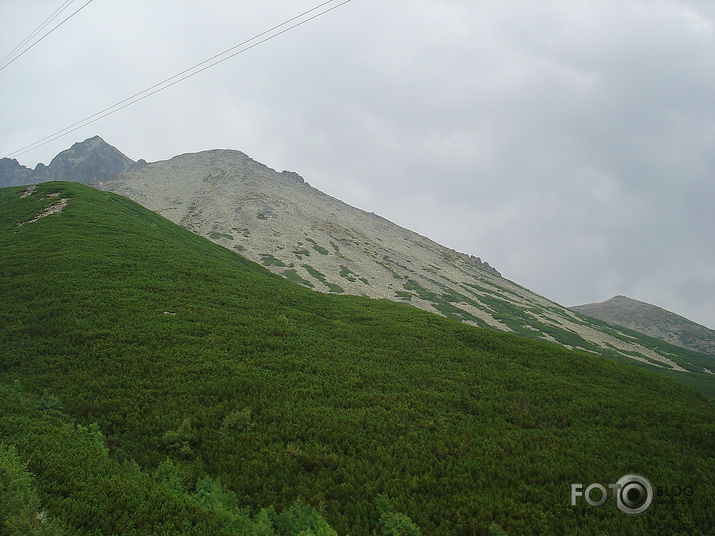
633, 494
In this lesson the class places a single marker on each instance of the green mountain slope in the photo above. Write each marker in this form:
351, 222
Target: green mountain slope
218, 386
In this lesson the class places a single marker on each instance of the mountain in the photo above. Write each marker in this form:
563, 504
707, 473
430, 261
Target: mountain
152, 382
652, 320
12, 173
87, 162
294, 230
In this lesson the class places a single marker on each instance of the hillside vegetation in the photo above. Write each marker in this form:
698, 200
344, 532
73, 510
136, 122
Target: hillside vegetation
152, 382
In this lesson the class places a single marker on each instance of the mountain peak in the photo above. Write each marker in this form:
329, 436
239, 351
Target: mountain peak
652, 320
93, 142
88, 161
12, 173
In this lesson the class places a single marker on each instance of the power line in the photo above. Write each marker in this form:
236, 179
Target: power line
69, 128
37, 30
47, 34
183, 75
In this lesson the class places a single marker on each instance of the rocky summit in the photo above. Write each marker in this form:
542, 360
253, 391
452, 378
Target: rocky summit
89, 161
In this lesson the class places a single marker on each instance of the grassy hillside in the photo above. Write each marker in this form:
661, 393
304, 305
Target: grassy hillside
230, 401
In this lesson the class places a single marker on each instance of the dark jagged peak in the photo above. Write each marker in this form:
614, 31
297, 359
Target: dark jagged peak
89, 161
12, 173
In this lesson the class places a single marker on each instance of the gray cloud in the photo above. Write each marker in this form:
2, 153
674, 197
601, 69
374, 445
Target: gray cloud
569, 144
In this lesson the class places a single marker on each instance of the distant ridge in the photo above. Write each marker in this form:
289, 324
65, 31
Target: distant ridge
87, 162
652, 320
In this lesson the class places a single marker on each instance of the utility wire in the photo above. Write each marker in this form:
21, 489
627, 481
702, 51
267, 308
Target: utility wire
179, 77
41, 38
69, 128
37, 30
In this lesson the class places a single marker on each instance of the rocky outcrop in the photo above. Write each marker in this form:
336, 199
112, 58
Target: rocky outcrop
293, 176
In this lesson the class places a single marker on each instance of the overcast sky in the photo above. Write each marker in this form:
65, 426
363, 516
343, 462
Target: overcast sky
571, 144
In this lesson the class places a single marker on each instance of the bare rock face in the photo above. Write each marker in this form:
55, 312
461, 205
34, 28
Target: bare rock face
654, 321
89, 161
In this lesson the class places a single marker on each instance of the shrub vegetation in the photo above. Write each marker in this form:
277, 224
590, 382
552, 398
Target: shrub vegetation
153, 382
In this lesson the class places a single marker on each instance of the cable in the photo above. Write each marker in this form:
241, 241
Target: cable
37, 30
160, 86
41, 38
67, 129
